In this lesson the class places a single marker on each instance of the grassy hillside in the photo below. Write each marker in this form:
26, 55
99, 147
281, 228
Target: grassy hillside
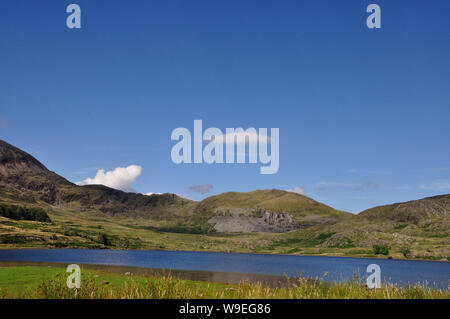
351, 236
94, 229
272, 200
416, 211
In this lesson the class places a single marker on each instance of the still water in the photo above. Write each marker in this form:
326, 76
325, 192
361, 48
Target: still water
401, 272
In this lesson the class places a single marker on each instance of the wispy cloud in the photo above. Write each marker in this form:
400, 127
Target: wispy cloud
441, 185
185, 197
368, 185
336, 184
120, 178
84, 171
202, 189
355, 186
4, 124
404, 187
372, 172
380, 172
441, 169
298, 190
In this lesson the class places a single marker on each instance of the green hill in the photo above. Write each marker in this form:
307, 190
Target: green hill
427, 209
264, 211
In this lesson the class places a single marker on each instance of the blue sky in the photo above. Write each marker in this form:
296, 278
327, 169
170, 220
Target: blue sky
363, 114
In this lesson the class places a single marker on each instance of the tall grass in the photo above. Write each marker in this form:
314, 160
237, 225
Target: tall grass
173, 288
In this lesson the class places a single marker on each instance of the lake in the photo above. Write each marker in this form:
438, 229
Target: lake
400, 272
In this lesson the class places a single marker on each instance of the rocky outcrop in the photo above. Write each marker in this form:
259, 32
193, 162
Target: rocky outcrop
232, 220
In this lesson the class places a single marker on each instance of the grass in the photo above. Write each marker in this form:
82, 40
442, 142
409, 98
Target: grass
39, 282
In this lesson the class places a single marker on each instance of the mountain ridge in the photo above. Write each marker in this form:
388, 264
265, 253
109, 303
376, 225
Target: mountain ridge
21, 172
20, 168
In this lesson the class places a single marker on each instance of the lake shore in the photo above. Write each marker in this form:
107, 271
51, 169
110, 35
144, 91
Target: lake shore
367, 256
211, 266
44, 282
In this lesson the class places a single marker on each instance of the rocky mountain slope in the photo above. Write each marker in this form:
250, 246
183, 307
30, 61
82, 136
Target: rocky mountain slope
25, 179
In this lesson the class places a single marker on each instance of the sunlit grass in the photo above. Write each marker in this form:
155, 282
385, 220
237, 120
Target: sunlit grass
101, 285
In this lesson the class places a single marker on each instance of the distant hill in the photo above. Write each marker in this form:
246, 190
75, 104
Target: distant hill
412, 211
264, 211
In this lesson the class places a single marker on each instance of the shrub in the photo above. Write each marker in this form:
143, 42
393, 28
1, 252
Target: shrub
13, 239
406, 251
104, 239
381, 249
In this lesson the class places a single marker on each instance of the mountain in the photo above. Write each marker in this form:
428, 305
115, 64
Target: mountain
39, 208
14, 161
23, 178
264, 211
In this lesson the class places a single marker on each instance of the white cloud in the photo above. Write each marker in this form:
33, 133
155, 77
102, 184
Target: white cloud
437, 186
185, 197
298, 190
149, 194
120, 178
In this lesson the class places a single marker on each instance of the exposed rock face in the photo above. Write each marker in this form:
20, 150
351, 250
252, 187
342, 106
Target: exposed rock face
234, 220
15, 161
22, 172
